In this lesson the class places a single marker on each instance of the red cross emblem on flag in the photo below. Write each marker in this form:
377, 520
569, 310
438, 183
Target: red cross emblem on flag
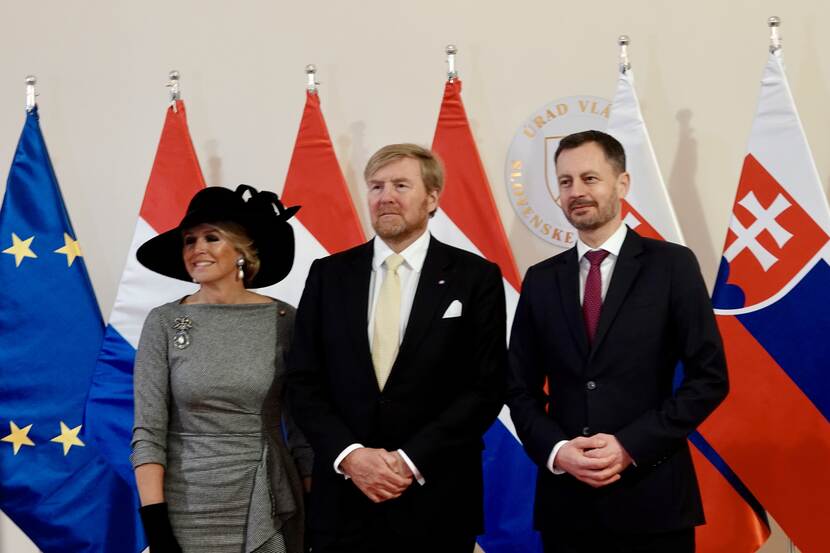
770, 237
637, 222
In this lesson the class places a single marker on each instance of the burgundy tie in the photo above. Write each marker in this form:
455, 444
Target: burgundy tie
592, 302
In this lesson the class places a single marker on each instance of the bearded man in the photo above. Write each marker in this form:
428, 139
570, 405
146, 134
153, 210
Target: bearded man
615, 358
396, 371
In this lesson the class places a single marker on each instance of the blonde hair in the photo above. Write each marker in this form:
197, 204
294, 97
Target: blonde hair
432, 170
244, 244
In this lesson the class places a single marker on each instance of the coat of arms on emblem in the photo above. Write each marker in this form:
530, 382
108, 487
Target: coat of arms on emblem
530, 173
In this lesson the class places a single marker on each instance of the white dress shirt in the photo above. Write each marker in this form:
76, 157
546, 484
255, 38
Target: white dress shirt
409, 274
606, 269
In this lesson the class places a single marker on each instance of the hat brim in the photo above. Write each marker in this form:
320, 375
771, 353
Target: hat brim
163, 254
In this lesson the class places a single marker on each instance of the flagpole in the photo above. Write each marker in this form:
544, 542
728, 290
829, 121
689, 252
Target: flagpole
774, 37
774, 23
452, 73
625, 64
175, 92
311, 75
31, 94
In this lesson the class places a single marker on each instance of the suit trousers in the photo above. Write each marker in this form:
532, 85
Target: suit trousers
591, 541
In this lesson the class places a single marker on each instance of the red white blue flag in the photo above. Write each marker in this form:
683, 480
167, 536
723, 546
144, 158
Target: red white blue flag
469, 219
327, 222
772, 300
735, 521
174, 179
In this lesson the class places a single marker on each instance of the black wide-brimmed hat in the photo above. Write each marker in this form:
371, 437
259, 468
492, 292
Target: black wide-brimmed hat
261, 214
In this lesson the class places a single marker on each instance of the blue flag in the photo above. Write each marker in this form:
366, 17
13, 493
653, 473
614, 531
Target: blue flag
53, 484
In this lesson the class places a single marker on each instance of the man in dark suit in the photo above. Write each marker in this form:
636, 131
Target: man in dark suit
396, 371
604, 326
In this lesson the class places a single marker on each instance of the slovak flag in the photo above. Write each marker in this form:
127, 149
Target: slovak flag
327, 223
735, 521
468, 218
772, 300
647, 209
174, 179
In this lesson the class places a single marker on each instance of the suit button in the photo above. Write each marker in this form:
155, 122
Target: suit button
591, 385
586, 431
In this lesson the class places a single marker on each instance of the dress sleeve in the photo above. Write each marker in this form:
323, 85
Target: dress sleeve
151, 388
297, 443
295, 440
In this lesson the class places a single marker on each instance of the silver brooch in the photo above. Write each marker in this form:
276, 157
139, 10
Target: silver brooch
182, 339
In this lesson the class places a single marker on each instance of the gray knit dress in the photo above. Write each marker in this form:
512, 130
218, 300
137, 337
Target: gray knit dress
208, 393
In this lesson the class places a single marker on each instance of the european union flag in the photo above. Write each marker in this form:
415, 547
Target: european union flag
58, 489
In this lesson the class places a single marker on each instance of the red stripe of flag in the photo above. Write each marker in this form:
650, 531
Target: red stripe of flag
316, 182
175, 176
731, 525
467, 198
749, 427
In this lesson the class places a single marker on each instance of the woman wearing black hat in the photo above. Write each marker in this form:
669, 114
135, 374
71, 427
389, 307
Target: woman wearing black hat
213, 471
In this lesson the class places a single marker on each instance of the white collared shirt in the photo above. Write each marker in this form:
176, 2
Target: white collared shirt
606, 269
409, 273
612, 245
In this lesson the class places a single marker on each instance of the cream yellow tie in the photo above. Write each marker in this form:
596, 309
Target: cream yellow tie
386, 334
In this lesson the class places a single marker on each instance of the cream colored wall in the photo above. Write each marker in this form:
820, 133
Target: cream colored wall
102, 66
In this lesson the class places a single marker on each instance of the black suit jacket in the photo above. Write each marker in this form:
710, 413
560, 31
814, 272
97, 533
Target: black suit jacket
445, 388
656, 313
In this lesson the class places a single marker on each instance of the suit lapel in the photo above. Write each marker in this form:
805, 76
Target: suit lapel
567, 275
355, 295
432, 287
625, 272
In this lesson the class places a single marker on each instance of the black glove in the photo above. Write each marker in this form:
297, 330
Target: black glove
157, 528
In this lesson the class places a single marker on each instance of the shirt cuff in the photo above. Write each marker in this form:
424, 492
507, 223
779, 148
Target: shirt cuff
415, 472
343, 454
552, 457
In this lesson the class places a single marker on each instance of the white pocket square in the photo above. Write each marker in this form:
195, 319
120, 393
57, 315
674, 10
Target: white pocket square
454, 310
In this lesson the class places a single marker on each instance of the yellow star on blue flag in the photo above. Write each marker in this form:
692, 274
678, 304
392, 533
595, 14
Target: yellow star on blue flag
68, 437
71, 249
50, 335
20, 249
18, 437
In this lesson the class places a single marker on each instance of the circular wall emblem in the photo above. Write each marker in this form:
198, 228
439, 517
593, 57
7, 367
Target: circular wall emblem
529, 171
